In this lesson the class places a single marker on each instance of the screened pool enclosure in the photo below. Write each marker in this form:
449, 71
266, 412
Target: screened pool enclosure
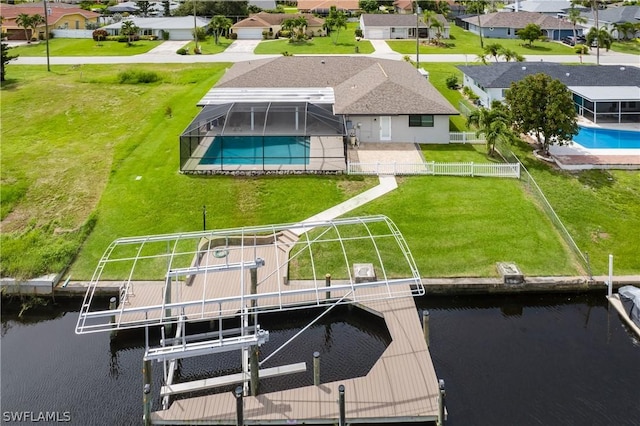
291, 133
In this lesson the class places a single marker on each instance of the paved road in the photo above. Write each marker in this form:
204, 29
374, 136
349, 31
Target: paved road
242, 50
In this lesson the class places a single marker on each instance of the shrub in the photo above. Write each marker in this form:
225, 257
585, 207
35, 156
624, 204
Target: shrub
181, 51
265, 35
359, 32
452, 82
285, 33
100, 35
136, 76
200, 33
469, 93
581, 49
233, 36
165, 35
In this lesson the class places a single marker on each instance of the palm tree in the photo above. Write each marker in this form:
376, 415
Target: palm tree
492, 49
337, 19
510, 55
129, 29
301, 25
575, 17
478, 7
36, 20
600, 36
438, 27
493, 123
218, 25
624, 28
23, 20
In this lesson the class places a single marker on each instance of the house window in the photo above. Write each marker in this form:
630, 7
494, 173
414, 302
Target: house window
421, 121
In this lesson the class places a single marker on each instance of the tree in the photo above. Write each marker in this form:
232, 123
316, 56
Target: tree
543, 106
166, 7
368, 6
478, 7
600, 37
575, 18
439, 28
530, 33
492, 49
219, 24
36, 20
510, 55
624, 29
337, 19
6, 57
23, 20
129, 29
493, 124
144, 7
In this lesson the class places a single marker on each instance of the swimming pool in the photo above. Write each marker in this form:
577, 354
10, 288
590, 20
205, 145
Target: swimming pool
254, 150
598, 138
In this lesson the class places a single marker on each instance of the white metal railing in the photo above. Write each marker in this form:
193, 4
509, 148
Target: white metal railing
510, 170
465, 137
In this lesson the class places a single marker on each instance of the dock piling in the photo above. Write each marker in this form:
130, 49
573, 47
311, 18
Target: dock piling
112, 320
327, 283
342, 421
239, 407
441, 403
610, 283
425, 325
146, 391
255, 372
316, 368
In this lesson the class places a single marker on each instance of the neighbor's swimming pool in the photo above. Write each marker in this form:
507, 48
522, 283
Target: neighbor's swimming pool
253, 150
597, 138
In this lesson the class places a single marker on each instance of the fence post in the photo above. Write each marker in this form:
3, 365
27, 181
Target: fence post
342, 421
472, 174
327, 283
316, 368
239, 407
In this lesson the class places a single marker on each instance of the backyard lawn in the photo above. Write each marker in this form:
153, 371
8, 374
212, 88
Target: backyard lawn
85, 47
465, 42
80, 171
438, 74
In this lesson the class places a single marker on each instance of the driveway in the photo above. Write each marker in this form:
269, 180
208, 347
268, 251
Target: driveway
242, 46
168, 47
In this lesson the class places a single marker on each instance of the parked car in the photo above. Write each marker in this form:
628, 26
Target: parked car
572, 41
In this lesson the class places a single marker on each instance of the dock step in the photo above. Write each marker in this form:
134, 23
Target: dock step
198, 385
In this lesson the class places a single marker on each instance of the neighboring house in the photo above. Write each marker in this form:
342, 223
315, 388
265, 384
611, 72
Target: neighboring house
602, 93
179, 27
322, 7
505, 24
59, 16
548, 7
252, 27
321, 100
613, 15
383, 26
156, 8
403, 6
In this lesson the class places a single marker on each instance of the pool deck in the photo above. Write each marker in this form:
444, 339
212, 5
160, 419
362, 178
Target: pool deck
577, 157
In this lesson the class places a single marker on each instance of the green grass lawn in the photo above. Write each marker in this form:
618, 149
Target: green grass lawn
465, 42
629, 46
346, 43
209, 46
82, 170
84, 47
438, 74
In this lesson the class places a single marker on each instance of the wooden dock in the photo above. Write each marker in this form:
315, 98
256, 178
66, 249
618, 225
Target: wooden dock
615, 301
401, 387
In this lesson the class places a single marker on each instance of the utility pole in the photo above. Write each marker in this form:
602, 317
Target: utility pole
417, 35
46, 32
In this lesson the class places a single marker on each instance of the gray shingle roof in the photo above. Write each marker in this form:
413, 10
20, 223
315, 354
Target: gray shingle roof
616, 15
362, 85
519, 20
501, 75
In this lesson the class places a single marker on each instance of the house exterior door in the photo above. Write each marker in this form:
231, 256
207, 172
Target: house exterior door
385, 128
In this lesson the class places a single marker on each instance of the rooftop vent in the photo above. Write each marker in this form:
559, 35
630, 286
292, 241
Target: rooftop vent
524, 68
568, 74
622, 68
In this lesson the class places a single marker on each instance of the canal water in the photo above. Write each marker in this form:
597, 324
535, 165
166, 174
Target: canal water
506, 360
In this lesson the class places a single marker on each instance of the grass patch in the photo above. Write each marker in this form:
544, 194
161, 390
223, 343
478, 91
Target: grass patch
346, 43
465, 42
438, 74
628, 46
85, 47
209, 46
137, 77
456, 153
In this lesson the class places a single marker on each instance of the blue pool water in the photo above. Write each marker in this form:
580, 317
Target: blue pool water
597, 138
253, 150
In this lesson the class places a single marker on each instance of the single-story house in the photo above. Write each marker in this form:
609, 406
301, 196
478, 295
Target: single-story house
613, 15
505, 24
548, 7
156, 8
303, 112
178, 27
59, 16
395, 26
602, 93
251, 28
322, 7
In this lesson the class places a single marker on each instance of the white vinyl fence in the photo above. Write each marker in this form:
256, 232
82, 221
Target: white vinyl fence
432, 168
60, 33
465, 137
